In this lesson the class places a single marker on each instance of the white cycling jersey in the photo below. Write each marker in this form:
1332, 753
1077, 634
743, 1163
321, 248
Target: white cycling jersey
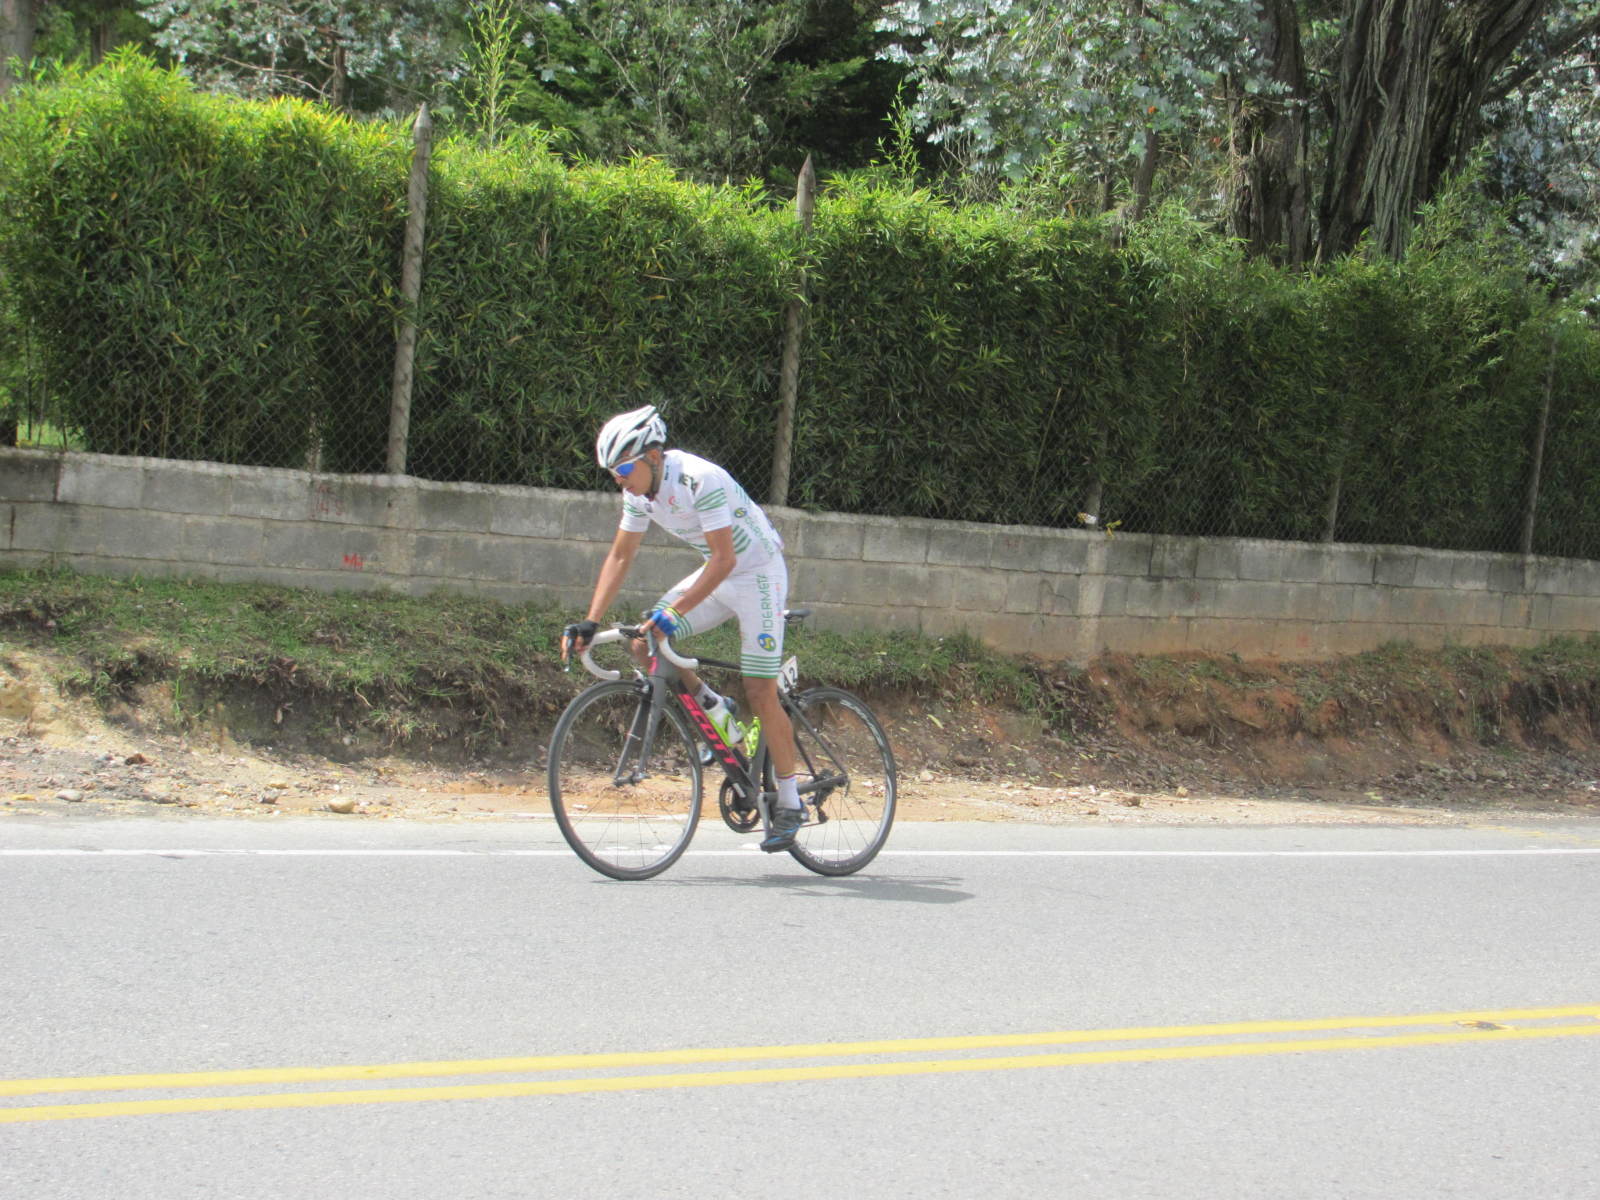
696, 497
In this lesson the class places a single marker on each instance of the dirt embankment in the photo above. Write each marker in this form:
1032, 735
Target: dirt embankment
1184, 740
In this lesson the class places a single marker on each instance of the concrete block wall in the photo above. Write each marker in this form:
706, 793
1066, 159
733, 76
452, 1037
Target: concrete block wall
1061, 594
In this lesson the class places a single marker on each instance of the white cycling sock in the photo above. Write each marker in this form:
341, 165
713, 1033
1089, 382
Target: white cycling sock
708, 695
788, 792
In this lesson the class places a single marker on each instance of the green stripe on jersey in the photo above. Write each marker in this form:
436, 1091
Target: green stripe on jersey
715, 500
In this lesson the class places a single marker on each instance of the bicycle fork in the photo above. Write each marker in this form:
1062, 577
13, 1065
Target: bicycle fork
634, 761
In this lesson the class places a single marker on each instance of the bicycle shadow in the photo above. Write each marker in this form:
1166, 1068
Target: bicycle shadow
924, 889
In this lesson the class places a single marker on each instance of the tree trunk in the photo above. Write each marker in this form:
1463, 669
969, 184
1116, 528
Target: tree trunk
1268, 208
338, 82
1145, 180
1379, 142
1530, 504
410, 293
19, 21
1407, 110
805, 203
100, 40
1477, 41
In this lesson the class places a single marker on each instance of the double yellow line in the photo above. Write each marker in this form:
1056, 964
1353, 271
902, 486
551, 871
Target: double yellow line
1433, 1029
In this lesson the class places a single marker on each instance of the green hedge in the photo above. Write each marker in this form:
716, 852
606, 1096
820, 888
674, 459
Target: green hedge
203, 277
554, 297
960, 363
1403, 388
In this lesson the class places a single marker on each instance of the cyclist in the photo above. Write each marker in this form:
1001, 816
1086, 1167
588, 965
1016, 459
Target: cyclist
743, 576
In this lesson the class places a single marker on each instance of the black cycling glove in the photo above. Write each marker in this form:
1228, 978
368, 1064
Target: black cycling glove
578, 635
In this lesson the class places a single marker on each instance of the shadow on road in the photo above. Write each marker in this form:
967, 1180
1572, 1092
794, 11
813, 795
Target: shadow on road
924, 889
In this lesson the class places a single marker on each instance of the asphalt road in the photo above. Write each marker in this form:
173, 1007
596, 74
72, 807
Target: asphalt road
327, 1008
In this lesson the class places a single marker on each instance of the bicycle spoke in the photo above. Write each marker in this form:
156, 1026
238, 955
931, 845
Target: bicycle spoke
847, 784
626, 801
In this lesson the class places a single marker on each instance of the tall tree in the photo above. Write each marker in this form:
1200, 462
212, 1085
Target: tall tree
1270, 142
19, 23
1098, 86
349, 53
697, 74
87, 30
843, 93
1340, 119
1413, 78
1544, 126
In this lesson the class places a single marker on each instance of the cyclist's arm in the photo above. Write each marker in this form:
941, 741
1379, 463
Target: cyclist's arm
613, 571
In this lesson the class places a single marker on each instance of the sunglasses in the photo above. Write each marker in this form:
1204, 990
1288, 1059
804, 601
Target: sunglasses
623, 469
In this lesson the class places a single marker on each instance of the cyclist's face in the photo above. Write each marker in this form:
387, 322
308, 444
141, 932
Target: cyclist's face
642, 472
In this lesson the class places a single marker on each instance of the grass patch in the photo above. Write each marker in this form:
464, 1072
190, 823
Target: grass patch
412, 670
450, 675
339, 641
342, 664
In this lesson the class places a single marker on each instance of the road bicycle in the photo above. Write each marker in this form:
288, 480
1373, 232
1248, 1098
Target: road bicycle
629, 756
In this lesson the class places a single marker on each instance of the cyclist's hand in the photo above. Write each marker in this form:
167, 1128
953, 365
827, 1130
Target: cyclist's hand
575, 638
666, 620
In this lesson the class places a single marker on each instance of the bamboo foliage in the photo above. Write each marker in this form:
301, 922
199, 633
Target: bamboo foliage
203, 277
199, 277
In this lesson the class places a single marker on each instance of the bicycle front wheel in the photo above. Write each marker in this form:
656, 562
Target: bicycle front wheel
625, 796
847, 781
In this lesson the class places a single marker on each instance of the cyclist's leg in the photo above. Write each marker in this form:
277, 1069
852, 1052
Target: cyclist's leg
707, 615
756, 598
763, 697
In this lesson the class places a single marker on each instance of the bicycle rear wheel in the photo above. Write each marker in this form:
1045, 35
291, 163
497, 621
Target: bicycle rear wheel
627, 802
847, 781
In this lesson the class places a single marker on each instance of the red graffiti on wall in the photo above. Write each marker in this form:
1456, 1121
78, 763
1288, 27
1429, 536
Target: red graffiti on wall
325, 501
354, 562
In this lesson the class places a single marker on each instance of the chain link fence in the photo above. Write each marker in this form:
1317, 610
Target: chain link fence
1205, 483
385, 372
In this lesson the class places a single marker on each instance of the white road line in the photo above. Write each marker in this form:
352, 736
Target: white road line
367, 852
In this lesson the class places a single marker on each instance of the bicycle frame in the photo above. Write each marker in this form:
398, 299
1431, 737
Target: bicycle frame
664, 676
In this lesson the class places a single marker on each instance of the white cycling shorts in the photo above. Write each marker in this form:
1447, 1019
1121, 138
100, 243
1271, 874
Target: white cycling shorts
756, 598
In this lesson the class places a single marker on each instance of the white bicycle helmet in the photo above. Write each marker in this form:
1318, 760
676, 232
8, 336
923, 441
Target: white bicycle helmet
629, 435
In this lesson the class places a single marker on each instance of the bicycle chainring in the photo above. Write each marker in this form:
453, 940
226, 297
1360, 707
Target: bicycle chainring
738, 813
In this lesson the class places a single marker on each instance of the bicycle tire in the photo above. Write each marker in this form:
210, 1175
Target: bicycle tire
633, 829
838, 736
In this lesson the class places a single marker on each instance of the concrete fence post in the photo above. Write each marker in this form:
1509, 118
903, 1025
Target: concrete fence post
410, 291
793, 325
1530, 504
